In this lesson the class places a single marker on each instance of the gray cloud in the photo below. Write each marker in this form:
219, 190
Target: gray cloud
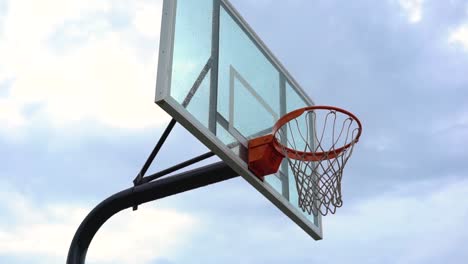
399, 78
404, 185
417, 223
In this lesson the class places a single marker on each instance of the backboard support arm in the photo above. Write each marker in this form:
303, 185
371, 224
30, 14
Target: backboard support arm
155, 151
177, 167
140, 178
185, 181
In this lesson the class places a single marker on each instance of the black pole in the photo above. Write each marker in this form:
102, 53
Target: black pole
151, 191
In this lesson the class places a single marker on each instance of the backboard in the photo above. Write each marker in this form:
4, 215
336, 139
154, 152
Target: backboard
219, 80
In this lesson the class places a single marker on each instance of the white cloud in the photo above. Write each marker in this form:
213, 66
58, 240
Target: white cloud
10, 117
29, 20
102, 80
420, 222
459, 36
45, 232
417, 222
88, 29
412, 9
405, 222
105, 79
146, 21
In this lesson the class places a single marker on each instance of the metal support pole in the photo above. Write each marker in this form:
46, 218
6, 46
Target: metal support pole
177, 167
151, 191
214, 67
155, 151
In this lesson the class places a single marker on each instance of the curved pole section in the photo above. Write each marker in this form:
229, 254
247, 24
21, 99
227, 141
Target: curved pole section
179, 183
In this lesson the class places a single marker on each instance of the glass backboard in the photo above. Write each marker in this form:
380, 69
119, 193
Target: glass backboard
219, 80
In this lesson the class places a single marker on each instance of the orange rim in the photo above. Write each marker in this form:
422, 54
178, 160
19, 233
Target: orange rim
312, 156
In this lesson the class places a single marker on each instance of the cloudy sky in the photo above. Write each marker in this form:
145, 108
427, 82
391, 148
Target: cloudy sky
77, 120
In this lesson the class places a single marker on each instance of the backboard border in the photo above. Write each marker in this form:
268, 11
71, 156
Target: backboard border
166, 50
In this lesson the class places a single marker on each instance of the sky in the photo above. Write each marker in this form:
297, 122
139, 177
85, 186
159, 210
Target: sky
77, 121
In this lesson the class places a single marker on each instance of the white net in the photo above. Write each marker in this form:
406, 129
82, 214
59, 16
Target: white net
317, 145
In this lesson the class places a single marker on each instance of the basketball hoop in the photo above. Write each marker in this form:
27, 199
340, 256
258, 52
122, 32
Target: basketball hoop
317, 142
